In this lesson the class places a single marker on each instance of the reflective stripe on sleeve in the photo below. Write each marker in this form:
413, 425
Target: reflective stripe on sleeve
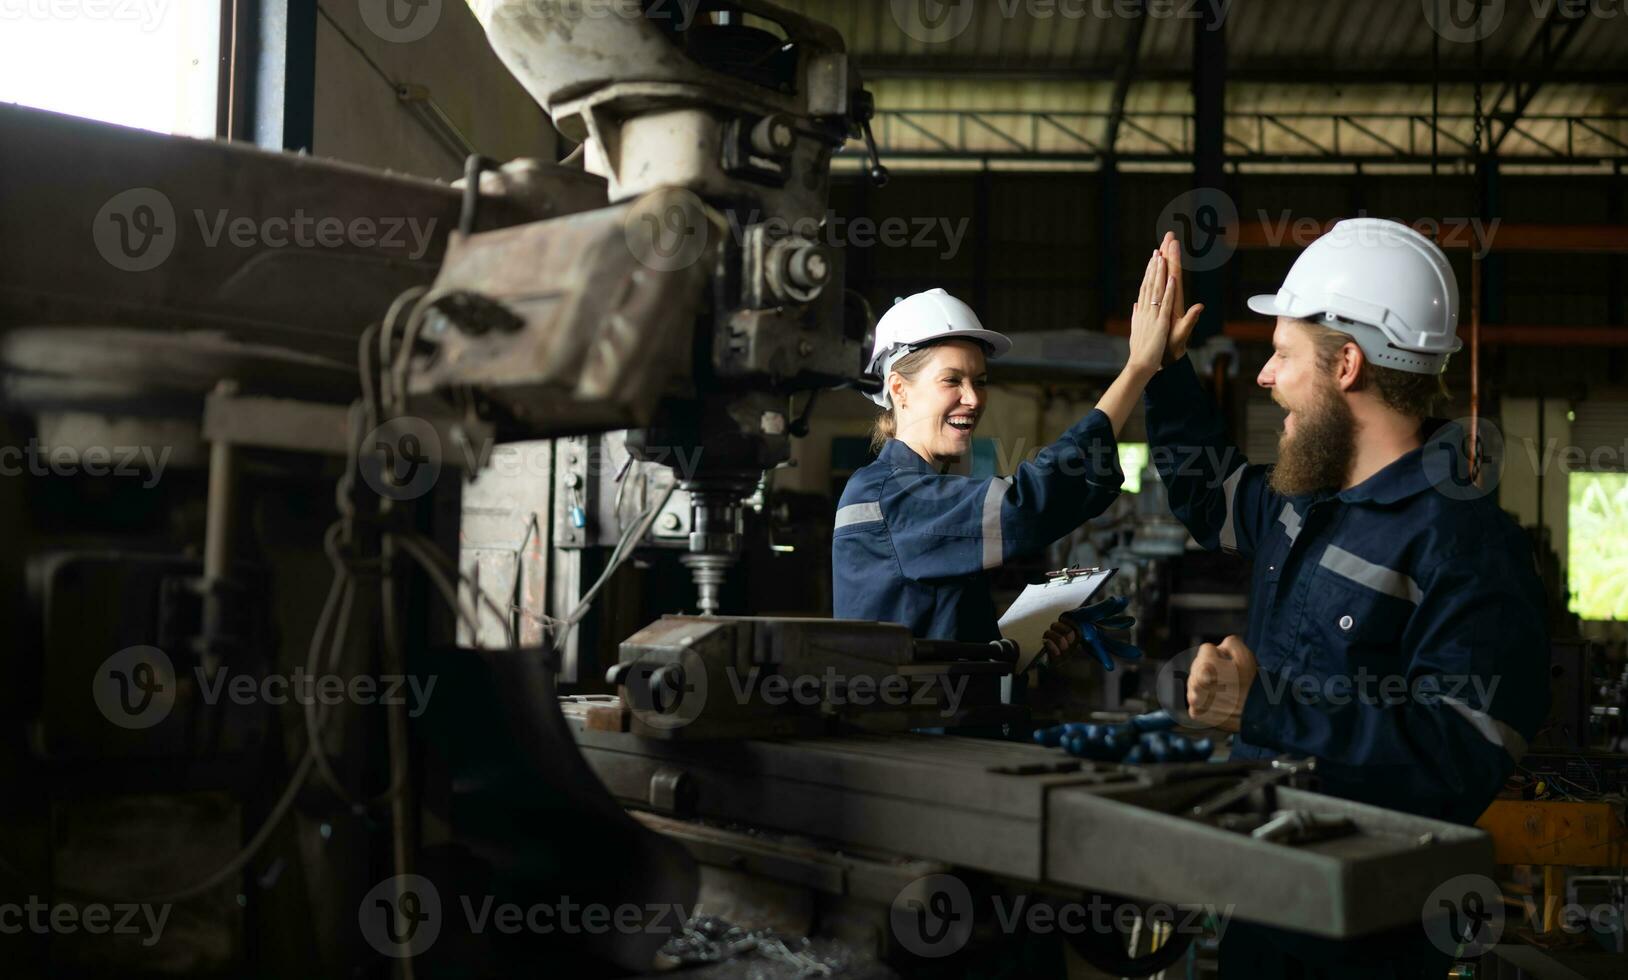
1491, 729
858, 514
994, 546
1229, 531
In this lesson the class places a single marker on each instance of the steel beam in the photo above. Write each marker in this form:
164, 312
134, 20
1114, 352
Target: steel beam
954, 134
1493, 335
1554, 35
1503, 237
1123, 77
1209, 154
1278, 73
277, 41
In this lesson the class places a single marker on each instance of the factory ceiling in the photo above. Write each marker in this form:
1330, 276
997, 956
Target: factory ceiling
1306, 81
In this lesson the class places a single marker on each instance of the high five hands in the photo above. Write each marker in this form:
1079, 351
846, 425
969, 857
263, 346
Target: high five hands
1184, 318
1151, 317
1159, 332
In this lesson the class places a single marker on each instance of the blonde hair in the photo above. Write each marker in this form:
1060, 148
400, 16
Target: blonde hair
887, 424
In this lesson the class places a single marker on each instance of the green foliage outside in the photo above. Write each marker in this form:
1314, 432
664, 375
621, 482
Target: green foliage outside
1597, 518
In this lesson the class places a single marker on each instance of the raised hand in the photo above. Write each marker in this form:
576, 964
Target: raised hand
1151, 317
1182, 330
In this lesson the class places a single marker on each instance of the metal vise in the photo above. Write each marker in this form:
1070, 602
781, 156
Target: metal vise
708, 677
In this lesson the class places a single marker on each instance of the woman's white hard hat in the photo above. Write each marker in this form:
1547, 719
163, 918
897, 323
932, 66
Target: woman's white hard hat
927, 318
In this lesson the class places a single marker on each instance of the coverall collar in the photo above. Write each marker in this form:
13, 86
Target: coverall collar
1403, 478
898, 455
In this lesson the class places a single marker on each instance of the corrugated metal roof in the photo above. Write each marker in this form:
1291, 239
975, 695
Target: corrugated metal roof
1284, 57
1368, 36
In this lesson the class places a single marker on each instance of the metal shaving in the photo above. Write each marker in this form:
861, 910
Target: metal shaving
709, 939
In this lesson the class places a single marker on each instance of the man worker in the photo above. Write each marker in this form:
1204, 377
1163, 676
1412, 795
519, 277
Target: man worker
1396, 621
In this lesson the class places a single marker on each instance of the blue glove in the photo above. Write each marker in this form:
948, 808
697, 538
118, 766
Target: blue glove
1109, 614
1143, 739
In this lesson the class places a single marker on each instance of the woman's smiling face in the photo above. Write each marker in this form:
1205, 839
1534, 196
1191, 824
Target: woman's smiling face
938, 410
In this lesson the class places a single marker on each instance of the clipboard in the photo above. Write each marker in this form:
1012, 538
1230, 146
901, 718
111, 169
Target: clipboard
1027, 619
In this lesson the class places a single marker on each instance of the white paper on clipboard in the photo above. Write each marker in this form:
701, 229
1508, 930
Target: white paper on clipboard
1041, 605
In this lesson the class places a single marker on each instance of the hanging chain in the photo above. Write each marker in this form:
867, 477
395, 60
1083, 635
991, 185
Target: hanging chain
1474, 447
1435, 107
1478, 119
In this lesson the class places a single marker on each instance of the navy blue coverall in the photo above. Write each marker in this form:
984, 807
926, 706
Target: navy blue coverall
914, 546
1399, 624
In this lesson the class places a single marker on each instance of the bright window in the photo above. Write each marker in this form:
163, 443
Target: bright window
1133, 456
153, 64
1597, 520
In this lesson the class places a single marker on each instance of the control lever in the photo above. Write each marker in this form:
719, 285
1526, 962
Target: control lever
1302, 827
865, 111
1264, 780
879, 174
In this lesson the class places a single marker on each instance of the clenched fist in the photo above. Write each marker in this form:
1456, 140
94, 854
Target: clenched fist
1061, 638
1219, 681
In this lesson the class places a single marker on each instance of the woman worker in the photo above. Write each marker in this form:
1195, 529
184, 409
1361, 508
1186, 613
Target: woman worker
914, 544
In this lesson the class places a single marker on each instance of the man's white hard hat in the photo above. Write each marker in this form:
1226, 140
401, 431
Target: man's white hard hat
922, 319
1383, 283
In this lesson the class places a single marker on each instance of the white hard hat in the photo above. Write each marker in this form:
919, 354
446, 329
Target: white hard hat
922, 319
1383, 283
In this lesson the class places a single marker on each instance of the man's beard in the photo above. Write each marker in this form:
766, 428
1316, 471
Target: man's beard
1318, 456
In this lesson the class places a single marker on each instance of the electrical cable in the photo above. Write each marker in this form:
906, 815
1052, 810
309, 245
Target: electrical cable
438, 577
316, 716
634, 532
396, 728
404, 354
284, 802
338, 603
387, 331
426, 550
383, 389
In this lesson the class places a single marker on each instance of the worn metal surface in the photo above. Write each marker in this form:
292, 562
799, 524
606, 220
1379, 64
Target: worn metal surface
60, 367
928, 797
797, 860
597, 336
276, 423
245, 241
1024, 812
656, 100
503, 545
1374, 879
